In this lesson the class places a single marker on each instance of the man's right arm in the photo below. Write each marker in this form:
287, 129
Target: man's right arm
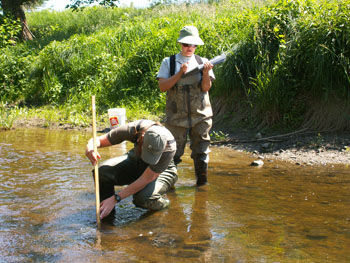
167, 84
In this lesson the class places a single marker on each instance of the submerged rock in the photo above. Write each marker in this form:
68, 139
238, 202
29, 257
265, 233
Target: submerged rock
257, 163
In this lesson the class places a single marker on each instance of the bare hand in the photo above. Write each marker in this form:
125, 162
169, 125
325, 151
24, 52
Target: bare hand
183, 67
90, 154
207, 66
107, 206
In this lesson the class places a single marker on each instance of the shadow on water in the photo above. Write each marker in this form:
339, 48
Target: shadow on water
275, 213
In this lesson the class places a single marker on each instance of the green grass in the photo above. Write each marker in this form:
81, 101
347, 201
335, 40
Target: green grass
7, 117
66, 116
283, 56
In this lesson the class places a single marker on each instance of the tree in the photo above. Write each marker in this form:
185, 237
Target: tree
16, 9
76, 4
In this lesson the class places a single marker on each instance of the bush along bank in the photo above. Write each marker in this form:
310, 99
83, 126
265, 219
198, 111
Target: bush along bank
288, 61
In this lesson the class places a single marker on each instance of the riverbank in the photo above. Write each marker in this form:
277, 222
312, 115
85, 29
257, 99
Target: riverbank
302, 147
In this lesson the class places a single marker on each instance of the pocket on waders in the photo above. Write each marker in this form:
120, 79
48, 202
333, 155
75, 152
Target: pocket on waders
173, 107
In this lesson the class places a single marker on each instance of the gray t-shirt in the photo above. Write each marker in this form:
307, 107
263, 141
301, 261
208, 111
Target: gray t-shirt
164, 71
128, 132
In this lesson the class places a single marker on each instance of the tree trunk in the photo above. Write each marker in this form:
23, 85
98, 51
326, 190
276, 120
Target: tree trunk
17, 10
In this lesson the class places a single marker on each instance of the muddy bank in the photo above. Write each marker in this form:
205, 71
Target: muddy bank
301, 147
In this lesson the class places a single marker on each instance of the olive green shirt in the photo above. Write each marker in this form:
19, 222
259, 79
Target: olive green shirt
129, 131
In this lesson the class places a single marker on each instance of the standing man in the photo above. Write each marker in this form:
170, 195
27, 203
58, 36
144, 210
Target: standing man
188, 108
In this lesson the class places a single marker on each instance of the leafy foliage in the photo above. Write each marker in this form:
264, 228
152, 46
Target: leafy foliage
9, 30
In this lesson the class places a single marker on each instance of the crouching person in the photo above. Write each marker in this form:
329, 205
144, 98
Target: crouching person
148, 169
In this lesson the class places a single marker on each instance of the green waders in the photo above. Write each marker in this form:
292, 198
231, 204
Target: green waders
188, 111
128, 168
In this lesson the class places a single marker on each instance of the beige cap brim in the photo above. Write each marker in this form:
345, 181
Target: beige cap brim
191, 40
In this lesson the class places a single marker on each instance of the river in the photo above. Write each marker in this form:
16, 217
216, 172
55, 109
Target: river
276, 213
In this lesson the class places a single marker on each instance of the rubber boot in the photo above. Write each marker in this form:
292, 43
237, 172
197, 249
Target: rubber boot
201, 170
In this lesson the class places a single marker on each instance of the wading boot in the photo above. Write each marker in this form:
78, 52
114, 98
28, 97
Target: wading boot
201, 169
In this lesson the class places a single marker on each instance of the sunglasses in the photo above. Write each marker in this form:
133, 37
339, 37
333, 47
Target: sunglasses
188, 45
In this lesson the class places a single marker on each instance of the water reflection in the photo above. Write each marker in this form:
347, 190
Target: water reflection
276, 213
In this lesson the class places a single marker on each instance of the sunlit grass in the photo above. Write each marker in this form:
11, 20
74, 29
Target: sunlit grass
281, 55
7, 117
67, 116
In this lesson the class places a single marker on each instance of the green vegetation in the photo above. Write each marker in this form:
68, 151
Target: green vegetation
9, 30
286, 60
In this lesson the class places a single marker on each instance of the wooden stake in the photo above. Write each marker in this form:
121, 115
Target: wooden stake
97, 185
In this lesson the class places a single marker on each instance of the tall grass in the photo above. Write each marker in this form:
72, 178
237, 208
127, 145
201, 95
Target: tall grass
296, 53
49, 25
282, 56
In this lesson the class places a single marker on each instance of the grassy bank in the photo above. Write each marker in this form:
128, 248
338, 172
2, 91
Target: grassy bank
64, 116
288, 62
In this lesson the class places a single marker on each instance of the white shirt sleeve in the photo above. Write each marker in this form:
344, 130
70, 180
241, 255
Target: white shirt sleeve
164, 71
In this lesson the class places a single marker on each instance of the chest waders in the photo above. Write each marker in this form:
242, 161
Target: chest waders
187, 106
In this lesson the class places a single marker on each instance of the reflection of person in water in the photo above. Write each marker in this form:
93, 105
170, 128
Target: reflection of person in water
193, 227
200, 230
148, 169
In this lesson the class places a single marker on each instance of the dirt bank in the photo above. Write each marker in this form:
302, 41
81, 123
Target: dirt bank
300, 147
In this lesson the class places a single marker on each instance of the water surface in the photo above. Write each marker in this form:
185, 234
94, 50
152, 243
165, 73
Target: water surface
276, 213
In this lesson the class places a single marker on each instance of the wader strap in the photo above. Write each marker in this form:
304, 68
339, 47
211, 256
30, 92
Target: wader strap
172, 65
199, 59
138, 126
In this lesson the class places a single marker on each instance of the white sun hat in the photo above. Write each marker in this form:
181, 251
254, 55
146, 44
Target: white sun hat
190, 35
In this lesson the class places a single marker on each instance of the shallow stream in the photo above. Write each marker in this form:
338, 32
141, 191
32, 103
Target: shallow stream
276, 213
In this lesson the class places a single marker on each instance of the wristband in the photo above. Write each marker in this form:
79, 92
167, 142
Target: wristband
117, 198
